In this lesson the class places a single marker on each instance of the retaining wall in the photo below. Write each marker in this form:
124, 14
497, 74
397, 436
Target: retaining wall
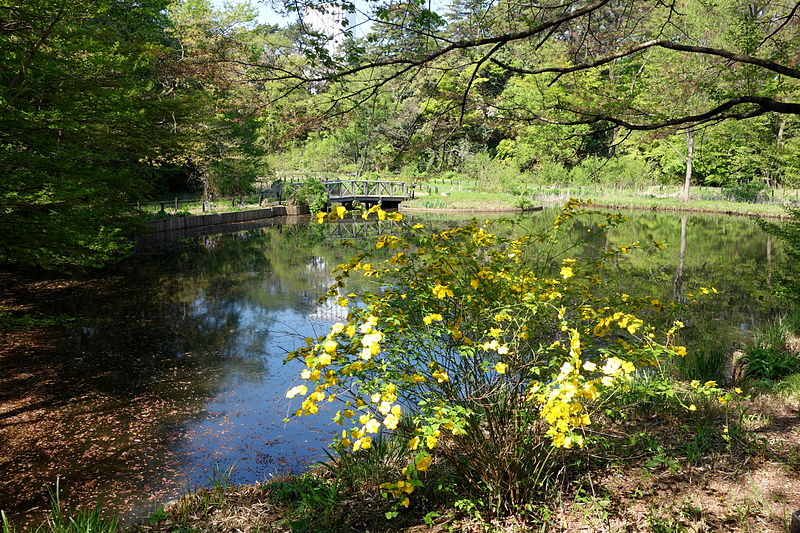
216, 219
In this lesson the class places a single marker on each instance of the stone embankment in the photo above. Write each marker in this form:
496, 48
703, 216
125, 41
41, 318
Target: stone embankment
175, 228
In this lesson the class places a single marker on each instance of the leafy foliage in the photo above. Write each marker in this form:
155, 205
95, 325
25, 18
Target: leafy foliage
80, 110
311, 192
770, 363
487, 354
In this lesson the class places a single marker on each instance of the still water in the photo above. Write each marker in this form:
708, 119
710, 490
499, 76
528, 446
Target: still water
173, 376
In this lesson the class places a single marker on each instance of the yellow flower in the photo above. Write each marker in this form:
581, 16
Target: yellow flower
330, 347
490, 345
433, 317
500, 368
294, 391
737, 390
364, 443
442, 291
391, 421
372, 426
413, 444
309, 374
430, 441
320, 217
692, 407
566, 272
424, 463
416, 378
589, 366
406, 502
440, 375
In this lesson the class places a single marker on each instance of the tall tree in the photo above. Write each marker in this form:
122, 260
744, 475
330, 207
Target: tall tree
80, 114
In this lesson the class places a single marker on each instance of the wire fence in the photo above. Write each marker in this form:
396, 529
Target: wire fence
184, 205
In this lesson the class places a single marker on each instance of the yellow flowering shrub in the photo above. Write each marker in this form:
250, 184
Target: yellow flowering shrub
475, 351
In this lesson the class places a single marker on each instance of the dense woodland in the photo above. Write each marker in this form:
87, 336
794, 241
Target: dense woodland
110, 102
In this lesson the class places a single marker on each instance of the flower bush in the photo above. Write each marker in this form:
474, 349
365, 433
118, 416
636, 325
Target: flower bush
482, 352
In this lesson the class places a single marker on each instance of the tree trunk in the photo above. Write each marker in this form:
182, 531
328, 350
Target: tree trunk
689, 160
781, 128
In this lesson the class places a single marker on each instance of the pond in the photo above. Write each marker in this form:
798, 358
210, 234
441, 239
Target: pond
172, 377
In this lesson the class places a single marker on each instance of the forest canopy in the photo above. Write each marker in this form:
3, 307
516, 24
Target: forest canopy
112, 102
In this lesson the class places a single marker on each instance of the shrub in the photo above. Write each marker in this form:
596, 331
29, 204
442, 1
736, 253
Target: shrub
479, 352
745, 191
311, 193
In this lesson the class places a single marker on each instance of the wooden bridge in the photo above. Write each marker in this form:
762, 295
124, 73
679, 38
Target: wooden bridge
387, 193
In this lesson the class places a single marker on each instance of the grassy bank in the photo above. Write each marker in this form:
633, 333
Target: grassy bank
452, 198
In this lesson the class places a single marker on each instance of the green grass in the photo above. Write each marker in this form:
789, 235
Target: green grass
60, 521
790, 387
715, 206
467, 200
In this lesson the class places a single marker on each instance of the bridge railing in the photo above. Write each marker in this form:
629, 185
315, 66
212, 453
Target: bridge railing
367, 189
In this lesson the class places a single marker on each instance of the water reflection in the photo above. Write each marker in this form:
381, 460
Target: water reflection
174, 367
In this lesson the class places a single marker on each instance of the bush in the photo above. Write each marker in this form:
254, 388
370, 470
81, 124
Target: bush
494, 175
480, 354
311, 192
746, 191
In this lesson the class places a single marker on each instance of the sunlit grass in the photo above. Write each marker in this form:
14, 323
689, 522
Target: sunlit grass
449, 197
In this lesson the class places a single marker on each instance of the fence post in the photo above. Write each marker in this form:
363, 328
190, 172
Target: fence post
204, 206
176, 203
162, 207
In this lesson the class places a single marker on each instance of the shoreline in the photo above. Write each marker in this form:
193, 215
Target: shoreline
631, 207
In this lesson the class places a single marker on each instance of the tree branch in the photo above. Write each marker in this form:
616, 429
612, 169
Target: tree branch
661, 43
